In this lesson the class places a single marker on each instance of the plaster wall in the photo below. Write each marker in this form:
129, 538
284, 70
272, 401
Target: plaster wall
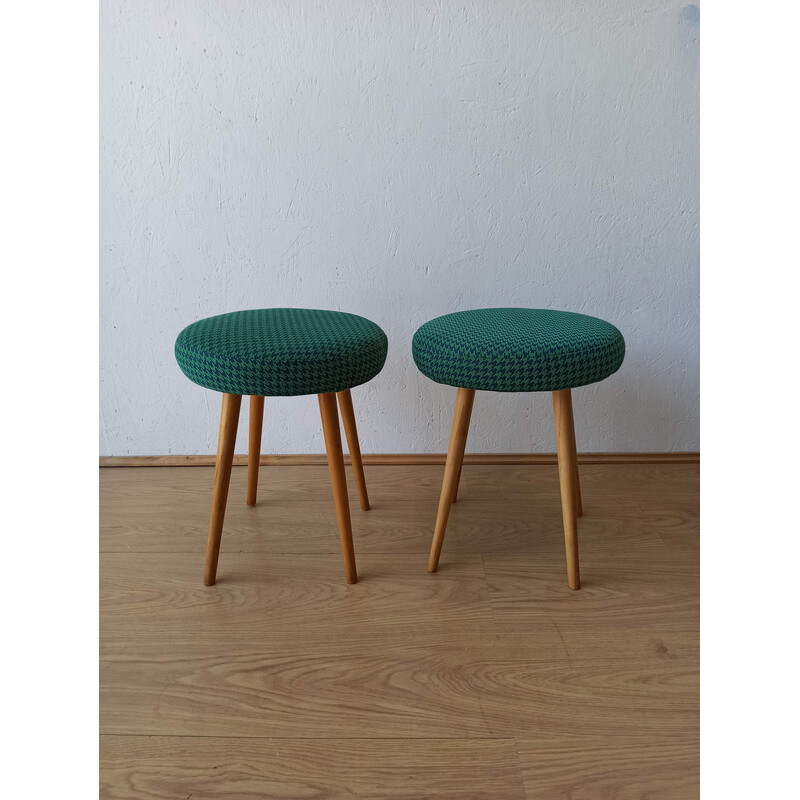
400, 160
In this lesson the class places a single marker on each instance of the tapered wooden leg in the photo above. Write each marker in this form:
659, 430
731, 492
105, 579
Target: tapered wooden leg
333, 446
254, 447
567, 471
351, 432
576, 478
452, 469
228, 423
457, 483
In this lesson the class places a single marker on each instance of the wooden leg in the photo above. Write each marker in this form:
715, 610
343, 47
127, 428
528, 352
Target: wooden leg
351, 432
228, 423
567, 472
333, 446
576, 482
254, 447
454, 496
452, 469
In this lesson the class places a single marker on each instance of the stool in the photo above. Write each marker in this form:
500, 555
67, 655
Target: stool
517, 350
283, 352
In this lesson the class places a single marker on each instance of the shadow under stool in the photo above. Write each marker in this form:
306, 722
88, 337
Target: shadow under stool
283, 352
517, 350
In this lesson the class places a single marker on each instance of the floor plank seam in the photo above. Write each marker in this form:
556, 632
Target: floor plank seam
495, 621
254, 552
310, 738
563, 643
519, 771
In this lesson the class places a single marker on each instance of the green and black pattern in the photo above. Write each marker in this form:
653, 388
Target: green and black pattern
517, 349
281, 352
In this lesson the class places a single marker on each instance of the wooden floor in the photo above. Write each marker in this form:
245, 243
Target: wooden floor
489, 679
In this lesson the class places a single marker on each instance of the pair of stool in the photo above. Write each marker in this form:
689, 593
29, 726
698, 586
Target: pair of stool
280, 352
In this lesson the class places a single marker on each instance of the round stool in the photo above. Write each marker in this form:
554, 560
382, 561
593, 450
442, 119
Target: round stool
283, 352
517, 350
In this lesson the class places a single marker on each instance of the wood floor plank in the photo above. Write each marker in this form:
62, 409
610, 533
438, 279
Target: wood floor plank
631, 480
145, 595
316, 692
385, 692
589, 697
165, 509
165, 768
391, 529
528, 591
638, 606
565, 766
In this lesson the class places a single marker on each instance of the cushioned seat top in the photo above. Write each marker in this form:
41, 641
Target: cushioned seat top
517, 349
281, 351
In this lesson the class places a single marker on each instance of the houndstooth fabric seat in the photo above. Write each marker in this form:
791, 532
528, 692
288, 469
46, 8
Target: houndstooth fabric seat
517, 349
281, 351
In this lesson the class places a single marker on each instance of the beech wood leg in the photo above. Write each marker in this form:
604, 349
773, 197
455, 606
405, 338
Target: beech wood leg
351, 432
567, 475
452, 470
254, 447
228, 423
454, 496
333, 445
576, 477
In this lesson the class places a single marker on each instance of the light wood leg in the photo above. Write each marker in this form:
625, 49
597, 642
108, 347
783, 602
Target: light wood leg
567, 471
575, 478
351, 432
254, 447
228, 423
454, 496
333, 446
452, 469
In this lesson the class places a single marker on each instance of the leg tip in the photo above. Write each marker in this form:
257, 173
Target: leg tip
208, 582
351, 581
432, 569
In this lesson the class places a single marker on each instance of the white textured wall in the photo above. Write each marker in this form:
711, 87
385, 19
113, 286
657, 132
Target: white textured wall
400, 160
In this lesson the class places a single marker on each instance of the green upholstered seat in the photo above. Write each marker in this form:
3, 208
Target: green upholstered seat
517, 349
281, 351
